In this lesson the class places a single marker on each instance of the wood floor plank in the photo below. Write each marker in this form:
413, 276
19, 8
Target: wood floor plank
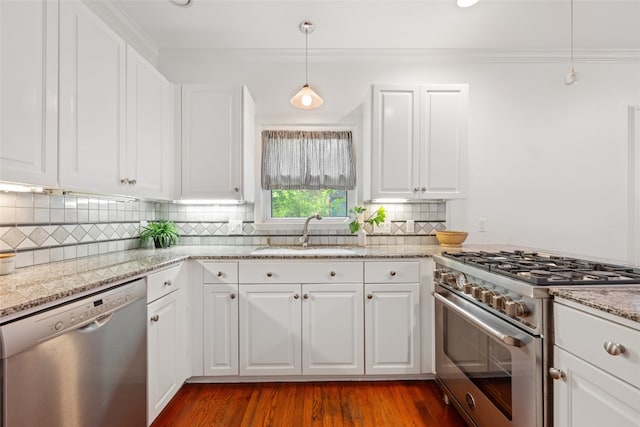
314, 404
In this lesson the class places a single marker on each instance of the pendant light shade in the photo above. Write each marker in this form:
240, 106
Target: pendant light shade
572, 77
466, 3
306, 98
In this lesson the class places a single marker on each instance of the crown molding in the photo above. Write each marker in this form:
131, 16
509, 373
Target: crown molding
126, 27
400, 55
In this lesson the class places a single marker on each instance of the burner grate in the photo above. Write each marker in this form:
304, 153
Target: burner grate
548, 269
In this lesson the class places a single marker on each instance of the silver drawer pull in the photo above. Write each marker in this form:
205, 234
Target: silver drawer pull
155, 318
392, 273
219, 274
168, 283
556, 374
614, 349
232, 296
269, 274
332, 274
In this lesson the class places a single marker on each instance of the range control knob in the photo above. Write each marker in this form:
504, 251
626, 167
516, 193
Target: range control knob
487, 296
515, 308
467, 288
448, 278
476, 292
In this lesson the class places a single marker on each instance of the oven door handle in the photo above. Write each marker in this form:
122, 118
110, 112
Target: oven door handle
504, 338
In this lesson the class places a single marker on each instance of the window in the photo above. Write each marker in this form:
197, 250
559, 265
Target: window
307, 172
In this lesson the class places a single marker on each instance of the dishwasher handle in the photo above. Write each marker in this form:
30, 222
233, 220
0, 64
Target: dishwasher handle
96, 324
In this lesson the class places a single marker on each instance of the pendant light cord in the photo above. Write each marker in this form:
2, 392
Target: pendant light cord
571, 34
306, 55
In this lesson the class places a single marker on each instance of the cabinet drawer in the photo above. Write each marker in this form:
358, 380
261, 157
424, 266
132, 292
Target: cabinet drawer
162, 282
301, 272
392, 272
585, 335
220, 272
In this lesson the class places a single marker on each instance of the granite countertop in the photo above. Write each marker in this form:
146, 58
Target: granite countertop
620, 301
32, 288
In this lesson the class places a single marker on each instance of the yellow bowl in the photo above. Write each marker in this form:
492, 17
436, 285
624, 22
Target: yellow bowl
451, 239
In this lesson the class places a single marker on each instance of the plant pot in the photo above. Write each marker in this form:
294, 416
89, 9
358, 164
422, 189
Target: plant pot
161, 243
362, 237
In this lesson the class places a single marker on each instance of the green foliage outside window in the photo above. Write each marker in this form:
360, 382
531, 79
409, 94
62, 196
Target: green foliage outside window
304, 203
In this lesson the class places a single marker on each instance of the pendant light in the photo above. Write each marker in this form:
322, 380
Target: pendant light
466, 3
572, 77
306, 98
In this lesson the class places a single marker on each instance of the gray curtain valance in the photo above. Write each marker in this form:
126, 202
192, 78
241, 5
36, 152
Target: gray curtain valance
308, 160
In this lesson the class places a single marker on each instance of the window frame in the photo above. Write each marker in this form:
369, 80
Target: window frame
262, 214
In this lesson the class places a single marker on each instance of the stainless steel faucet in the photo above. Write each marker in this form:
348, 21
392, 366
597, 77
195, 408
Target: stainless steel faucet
304, 239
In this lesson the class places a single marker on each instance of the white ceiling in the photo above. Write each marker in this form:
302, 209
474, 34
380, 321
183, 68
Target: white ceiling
387, 24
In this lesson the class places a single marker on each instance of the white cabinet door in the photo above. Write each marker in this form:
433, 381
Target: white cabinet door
211, 142
221, 329
270, 321
164, 338
29, 91
92, 102
443, 121
149, 113
396, 142
589, 397
332, 329
392, 328
419, 141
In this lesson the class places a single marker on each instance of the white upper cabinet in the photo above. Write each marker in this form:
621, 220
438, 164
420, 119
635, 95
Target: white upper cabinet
28, 91
149, 129
212, 141
92, 102
419, 146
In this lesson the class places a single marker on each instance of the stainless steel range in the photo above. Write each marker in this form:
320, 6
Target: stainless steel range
493, 330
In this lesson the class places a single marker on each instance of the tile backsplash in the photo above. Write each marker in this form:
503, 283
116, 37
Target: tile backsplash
46, 228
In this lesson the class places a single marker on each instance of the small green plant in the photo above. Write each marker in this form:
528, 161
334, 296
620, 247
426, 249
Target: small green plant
356, 213
164, 233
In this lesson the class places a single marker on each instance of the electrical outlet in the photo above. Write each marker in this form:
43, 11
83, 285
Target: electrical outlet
235, 226
410, 226
482, 225
383, 228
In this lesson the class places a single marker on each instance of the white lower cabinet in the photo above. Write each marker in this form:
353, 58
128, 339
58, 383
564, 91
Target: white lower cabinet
392, 328
166, 339
596, 371
292, 329
220, 329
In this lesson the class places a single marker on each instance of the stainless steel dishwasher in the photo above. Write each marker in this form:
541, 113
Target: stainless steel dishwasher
81, 364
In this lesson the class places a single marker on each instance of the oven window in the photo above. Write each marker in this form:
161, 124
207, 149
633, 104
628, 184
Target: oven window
485, 362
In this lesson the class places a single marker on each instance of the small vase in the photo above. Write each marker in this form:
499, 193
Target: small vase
362, 237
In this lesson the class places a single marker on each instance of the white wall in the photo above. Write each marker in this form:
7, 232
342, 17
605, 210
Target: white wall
548, 163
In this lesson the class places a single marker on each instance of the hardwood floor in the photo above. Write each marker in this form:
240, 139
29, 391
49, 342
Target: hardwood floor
326, 404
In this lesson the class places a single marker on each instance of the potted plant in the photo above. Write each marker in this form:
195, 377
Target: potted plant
356, 214
163, 232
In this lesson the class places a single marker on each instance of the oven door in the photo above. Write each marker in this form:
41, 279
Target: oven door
491, 368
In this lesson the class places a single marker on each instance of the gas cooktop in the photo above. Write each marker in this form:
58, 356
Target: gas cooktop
543, 269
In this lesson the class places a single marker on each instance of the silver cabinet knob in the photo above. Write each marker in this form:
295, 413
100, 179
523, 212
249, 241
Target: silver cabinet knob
416, 189
133, 182
392, 273
269, 274
613, 348
236, 189
296, 296
556, 374
155, 318
124, 181
369, 296
305, 296
168, 283
332, 274
219, 273
232, 295
423, 189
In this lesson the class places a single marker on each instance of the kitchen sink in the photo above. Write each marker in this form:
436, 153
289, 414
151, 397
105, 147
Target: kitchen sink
299, 250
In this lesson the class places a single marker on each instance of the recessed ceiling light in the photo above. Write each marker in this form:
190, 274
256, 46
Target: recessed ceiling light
181, 2
466, 3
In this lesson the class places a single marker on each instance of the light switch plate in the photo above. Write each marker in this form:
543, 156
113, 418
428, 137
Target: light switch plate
235, 226
410, 226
